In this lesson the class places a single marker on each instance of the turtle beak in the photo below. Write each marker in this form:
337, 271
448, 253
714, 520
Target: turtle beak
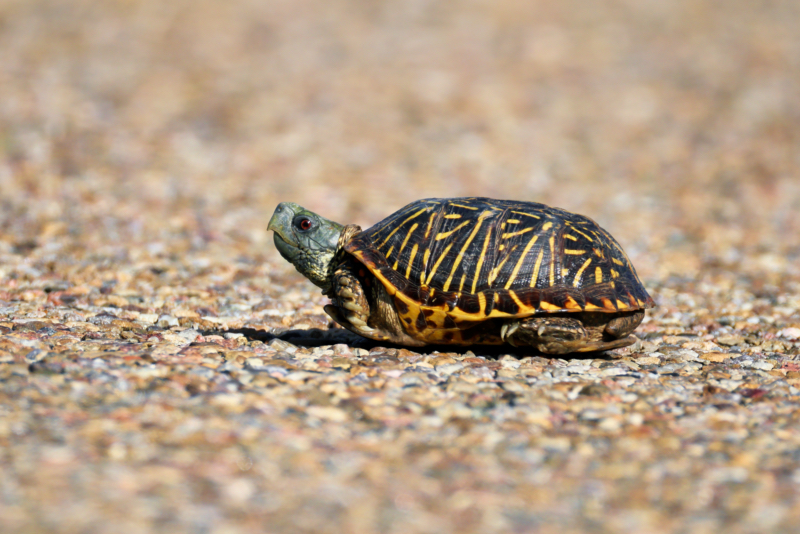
281, 221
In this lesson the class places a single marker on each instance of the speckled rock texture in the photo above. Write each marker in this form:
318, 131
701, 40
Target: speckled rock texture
163, 370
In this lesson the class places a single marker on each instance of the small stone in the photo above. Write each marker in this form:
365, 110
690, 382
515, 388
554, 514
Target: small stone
279, 344
189, 335
328, 413
594, 390
648, 360
514, 386
614, 371
761, 365
509, 362
610, 424
449, 368
730, 340
341, 363
792, 333
167, 321
232, 335
773, 346
341, 349
717, 357
254, 363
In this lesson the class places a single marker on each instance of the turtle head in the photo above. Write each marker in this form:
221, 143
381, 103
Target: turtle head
307, 241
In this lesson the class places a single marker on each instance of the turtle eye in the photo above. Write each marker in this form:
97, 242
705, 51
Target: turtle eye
303, 223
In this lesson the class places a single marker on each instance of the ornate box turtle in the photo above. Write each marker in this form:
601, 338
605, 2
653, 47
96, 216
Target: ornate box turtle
466, 271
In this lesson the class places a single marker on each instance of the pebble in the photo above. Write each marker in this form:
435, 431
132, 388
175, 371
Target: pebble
730, 340
791, 333
166, 321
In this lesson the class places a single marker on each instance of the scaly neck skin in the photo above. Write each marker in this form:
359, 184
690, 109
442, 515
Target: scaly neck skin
309, 242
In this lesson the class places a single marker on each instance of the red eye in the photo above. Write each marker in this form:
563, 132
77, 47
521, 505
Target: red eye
303, 224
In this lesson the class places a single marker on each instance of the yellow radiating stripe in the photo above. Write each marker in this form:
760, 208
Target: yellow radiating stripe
552, 261
443, 235
584, 235
580, 272
526, 214
571, 237
574, 252
480, 260
494, 272
512, 221
411, 259
613, 242
615, 260
614, 274
388, 254
453, 216
406, 239
425, 259
462, 206
417, 214
461, 285
430, 223
536, 268
438, 262
464, 248
520, 261
598, 275
547, 226
518, 232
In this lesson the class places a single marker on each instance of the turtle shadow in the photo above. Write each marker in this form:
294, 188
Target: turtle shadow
316, 337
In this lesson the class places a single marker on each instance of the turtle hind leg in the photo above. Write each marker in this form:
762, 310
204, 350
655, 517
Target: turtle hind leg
620, 327
557, 335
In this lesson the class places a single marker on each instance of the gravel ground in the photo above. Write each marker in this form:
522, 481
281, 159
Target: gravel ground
162, 369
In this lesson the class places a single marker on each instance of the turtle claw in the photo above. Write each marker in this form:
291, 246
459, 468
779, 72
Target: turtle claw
355, 321
346, 293
352, 306
507, 329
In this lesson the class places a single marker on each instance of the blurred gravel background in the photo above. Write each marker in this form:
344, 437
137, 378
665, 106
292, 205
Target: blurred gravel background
163, 370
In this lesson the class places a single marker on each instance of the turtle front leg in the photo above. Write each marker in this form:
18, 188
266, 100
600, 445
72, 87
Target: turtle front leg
556, 335
350, 307
371, 315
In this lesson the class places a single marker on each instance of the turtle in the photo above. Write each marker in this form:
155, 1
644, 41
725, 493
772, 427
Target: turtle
470, 271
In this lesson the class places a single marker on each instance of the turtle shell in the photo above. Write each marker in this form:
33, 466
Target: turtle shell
449, 263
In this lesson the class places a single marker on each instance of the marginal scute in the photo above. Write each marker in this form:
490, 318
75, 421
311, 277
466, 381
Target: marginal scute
400, 306
421, 322
572, 304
